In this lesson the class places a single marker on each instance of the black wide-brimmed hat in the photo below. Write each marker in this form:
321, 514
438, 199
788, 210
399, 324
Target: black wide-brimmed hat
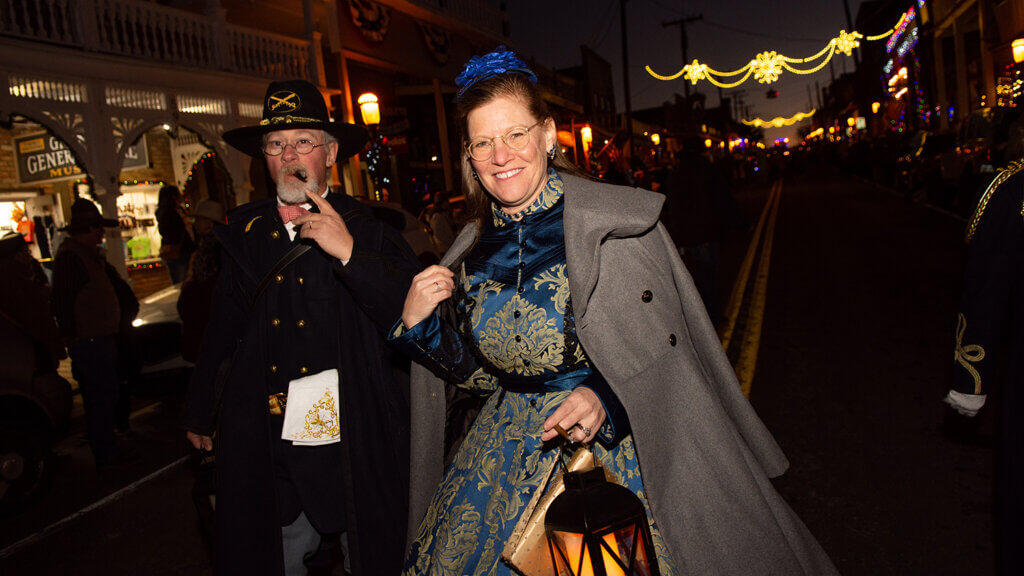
296, 105
85, 216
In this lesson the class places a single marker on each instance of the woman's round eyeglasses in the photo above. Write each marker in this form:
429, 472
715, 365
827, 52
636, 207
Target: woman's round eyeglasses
277, 147
517, 137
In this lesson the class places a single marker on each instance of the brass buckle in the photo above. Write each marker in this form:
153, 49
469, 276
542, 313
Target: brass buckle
277, 403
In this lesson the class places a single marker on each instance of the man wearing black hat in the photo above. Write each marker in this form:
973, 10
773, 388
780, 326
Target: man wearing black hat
294, 379
91, 302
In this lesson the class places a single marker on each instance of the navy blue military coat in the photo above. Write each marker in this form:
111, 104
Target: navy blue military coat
314, 315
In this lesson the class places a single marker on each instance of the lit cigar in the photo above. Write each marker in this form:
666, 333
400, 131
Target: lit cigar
300, 174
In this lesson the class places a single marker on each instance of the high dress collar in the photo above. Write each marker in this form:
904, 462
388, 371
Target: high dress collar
548, 197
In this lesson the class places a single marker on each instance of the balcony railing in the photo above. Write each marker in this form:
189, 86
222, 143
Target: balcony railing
148, 31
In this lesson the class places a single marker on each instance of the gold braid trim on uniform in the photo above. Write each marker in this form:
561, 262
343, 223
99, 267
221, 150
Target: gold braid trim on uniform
1004, 174
249, 225
966, 355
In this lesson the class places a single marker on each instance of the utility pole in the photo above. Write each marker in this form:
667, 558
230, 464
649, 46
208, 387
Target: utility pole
682, 22
625, 79
849, 28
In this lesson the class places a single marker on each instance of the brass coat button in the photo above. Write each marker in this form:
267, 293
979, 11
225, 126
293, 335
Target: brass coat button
301, 323
671, 339
275, 234
273, 368
303, 370
279, 278
300, 280
275, 322
647, 296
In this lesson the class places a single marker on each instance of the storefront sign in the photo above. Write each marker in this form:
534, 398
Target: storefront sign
45, 158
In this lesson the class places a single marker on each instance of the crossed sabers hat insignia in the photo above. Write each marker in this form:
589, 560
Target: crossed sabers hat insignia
284, 98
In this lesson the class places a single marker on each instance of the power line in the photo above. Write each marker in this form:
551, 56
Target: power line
763, 35
676, 11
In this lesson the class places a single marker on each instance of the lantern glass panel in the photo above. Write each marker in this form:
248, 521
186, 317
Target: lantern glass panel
572, 558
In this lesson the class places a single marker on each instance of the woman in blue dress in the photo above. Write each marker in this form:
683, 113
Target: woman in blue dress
509, 331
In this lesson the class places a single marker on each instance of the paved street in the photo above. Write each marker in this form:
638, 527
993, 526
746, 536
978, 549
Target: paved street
854, 355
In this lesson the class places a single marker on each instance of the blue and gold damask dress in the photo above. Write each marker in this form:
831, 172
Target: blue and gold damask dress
513, 339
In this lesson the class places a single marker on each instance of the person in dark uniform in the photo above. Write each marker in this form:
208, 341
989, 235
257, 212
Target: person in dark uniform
989, 345
294, 379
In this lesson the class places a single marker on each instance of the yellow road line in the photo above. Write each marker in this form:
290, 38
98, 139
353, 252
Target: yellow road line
739, 287
747, 361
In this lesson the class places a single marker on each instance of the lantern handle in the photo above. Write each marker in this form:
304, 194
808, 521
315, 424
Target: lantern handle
562, 448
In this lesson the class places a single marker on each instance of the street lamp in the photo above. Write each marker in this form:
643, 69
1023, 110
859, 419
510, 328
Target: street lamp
1018, 50
656, 138
587, 136
369, 109
377, 155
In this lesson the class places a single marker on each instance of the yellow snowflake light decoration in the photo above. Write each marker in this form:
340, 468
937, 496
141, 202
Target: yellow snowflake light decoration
779, 121
846, 42
695, 72
767, 66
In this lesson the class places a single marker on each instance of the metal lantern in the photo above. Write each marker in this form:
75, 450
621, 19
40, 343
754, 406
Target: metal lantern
598, 528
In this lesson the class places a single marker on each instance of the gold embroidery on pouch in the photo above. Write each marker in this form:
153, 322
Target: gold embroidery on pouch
321, 421
966, 355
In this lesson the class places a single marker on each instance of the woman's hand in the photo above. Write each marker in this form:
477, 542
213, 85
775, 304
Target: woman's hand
428, 289
582, 409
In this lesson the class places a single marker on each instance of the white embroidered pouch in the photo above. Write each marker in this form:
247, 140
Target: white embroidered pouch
312, 417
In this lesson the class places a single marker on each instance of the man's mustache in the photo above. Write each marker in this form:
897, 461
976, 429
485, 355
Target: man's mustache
297, 171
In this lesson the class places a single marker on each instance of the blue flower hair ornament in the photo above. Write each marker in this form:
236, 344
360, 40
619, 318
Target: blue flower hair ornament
501, 61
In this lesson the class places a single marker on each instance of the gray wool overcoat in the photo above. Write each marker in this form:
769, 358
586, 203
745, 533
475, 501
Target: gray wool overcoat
704, 455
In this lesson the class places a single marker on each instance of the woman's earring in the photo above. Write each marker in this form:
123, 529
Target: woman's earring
551, 153
476, 176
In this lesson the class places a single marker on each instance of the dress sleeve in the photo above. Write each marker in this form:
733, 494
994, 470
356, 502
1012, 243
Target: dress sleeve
440, 349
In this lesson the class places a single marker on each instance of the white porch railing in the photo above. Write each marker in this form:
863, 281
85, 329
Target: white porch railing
148, 31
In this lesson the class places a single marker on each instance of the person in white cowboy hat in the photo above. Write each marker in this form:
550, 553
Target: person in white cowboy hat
294, 381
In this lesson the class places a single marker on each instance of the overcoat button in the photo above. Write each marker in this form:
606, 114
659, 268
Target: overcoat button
279, 278
300, 280
275, 234
671, 339
275, 322
303, 370
647, 296
273, 368
301, 323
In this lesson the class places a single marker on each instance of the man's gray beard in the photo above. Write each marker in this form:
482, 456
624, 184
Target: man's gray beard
292, 191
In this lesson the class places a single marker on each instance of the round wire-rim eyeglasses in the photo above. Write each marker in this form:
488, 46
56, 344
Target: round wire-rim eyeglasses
277, 147
516, 138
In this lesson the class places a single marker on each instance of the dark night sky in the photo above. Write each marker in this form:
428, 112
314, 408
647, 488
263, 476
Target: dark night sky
732, 33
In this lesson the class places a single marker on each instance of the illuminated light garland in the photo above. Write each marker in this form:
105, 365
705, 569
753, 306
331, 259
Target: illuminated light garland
766, 67
899, 29
779, 121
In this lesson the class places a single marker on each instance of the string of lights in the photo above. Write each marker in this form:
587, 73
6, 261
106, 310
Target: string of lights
779, 121
766, 67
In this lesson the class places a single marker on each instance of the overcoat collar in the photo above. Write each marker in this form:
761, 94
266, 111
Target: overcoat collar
594, 211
